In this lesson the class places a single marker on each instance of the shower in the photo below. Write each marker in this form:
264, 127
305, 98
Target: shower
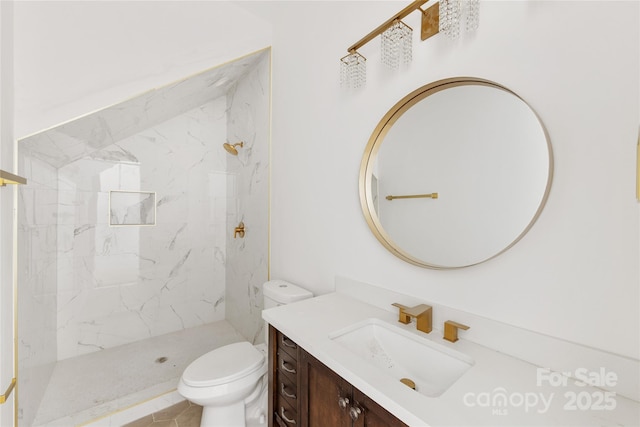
181, 273
231, 148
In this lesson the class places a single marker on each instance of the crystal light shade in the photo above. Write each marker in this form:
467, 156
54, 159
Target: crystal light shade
396, 45
451, 13
450, 18
353, 70
473, 14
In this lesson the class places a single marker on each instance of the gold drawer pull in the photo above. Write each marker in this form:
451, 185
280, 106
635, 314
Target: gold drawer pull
288, 343
288, 420
285, 365
286, 393
7, 393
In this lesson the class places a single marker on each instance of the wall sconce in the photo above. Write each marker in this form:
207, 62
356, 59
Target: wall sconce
9, 178
444, 16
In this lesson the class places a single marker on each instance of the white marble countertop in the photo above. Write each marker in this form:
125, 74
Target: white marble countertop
468, 402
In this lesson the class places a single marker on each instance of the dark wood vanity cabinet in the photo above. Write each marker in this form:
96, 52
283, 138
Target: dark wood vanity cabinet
284, 379
309, 394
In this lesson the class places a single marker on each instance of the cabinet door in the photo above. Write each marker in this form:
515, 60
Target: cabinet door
371, 414
325, 396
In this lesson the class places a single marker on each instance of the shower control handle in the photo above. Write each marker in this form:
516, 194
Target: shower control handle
239, 230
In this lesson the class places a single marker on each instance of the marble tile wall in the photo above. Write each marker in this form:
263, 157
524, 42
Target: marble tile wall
247, 258
118, 284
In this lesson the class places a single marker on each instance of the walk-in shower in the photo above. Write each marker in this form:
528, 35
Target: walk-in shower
125, 239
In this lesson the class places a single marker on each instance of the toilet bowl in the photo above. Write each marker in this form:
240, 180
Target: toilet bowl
229, 380
223, 382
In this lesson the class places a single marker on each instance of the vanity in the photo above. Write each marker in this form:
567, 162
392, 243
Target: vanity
305, 392
323, 371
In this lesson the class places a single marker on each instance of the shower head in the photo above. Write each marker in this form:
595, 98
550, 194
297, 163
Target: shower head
231, 148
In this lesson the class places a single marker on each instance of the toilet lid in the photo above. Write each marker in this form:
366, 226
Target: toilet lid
223, 365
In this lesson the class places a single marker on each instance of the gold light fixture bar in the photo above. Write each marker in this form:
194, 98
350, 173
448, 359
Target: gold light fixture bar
415, 196
5, 396
9, 178
398, 16
430, 22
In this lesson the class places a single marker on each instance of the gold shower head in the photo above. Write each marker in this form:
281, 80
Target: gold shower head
231, 148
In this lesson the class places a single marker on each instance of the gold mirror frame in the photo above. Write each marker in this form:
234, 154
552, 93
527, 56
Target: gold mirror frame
375, 142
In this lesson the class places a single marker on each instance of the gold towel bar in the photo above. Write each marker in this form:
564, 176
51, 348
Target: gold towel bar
7, 393
415, 196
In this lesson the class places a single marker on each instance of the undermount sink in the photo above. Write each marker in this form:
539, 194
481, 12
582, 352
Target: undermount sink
403, 354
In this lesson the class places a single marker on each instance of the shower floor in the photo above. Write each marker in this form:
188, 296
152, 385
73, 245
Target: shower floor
91, 386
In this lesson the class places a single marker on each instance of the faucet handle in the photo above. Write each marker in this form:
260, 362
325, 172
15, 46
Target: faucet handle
403, 316
422, 313
418, 310
451, 330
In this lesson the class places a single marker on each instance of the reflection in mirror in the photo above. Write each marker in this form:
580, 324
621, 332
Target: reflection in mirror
463, 173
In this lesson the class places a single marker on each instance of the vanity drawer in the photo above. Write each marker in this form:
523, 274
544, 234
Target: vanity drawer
288, 366
287, 390
287, 345
285, 414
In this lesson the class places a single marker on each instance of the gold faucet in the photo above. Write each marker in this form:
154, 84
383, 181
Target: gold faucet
421, 312
451, 330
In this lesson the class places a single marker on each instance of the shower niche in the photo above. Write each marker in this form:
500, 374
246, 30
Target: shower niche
125, 231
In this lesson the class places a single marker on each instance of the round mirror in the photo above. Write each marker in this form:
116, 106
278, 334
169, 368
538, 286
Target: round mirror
455, 173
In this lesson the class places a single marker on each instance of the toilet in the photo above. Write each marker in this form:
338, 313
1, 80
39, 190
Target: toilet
229, 379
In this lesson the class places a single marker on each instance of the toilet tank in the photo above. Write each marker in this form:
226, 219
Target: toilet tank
279, 292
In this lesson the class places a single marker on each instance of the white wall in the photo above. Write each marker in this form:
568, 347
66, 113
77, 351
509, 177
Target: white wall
575, 274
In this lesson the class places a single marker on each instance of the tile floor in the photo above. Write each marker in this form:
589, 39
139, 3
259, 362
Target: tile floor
183, 414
